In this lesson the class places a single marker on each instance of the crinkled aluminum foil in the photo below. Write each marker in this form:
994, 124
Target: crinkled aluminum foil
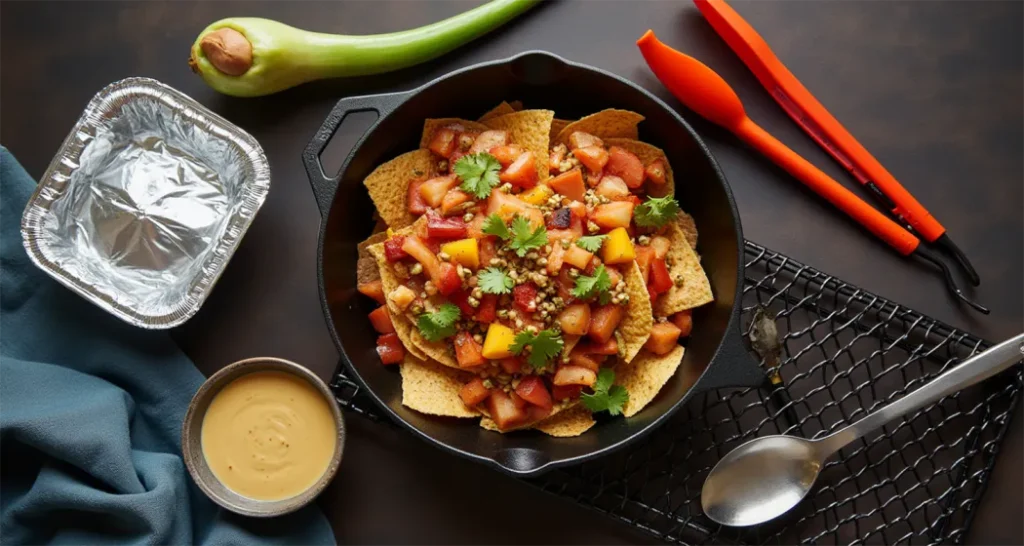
145, 203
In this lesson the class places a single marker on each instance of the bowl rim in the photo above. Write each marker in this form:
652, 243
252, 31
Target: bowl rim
195, 458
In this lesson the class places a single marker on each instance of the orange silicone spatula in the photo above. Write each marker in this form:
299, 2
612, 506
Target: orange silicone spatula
706, 93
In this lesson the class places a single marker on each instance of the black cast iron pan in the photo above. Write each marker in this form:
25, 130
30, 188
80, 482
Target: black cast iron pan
540, 80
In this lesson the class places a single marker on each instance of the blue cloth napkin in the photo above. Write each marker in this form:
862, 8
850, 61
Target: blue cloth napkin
90, 418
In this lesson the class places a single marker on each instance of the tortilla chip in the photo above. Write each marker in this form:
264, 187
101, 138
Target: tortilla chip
487, 423
645, 377
648, 154
435, 350
610, 123
433, 389
572, 422
388, 185
635, 328
499, 110
691, 288
528, 129
388, 281
367, 269
689, 228
431, 124
556, 127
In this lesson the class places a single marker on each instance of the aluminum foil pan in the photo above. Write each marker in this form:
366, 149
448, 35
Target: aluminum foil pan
145, 203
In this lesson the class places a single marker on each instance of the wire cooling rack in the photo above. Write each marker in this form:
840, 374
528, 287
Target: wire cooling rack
846, 352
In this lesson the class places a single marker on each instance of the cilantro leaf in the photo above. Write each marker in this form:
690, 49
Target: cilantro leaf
494, 281
439, 324
656, 211
478, 172
591, 243
606, 397
525, 240
589, 286
544, 346
494, 225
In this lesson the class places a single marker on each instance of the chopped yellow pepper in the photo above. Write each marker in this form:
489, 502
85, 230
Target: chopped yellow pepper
538, 195
499, 340
618, 249
463, 251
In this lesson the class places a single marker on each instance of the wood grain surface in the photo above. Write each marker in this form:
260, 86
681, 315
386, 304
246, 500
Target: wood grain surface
933, 89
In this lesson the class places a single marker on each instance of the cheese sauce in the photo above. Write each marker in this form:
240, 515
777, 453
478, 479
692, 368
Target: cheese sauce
268, 435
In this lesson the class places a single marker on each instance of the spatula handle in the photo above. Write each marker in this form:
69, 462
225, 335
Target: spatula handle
845, 200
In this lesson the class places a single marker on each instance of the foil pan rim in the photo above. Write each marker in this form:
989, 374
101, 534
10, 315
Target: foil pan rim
55, 182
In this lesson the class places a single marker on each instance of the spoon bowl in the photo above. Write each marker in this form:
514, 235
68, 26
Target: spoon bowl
761, 480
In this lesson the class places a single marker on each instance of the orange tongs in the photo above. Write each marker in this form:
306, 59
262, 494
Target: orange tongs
706, 93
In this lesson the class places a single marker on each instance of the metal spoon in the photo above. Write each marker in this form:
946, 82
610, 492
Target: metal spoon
766, 477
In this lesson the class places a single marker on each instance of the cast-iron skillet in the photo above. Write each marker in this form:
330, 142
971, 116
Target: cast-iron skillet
540, 80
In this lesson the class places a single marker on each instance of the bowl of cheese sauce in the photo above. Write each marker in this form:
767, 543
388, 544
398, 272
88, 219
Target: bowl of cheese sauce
263, 437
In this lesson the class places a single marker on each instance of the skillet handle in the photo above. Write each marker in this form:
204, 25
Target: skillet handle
734, 365
324, 186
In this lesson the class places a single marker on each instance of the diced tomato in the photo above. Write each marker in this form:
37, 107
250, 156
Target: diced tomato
536, 413
566, 392
439, 227
506, 154
455, 157
373, 289
574, 375
579, 210
390, 349
443, 142
433, 191
507, 205
453, 199
684, 321
555, 258
626, 166
594, 158
518, 400
664, 337
604, 320
594, 179
468, 353
488, 140
393, 249
575, 319
511, 365
660, 280
522, 173
532, 389
474, 392
579, 139
569, 184
503, 411
632, 198
525, 297
655, 172
577, 257
583, 360
487, 312
414, 246
414, 201
381, 320
612, 187
461, 299
661, 246
644, 257
448, 280
488, 250
555, 159
610, 347
613, 215
614, 276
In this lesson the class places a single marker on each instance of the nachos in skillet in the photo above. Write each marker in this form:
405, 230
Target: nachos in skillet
531, 271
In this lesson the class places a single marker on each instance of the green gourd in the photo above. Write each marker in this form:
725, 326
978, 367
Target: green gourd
250, 57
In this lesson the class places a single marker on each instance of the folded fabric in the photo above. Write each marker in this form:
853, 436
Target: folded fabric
90, 420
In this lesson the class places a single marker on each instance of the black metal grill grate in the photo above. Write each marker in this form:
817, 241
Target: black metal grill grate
846, 353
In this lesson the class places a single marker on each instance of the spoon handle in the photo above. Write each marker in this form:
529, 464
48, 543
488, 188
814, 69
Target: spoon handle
973, 370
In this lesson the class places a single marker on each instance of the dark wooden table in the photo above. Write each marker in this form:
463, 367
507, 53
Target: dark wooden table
933, 89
